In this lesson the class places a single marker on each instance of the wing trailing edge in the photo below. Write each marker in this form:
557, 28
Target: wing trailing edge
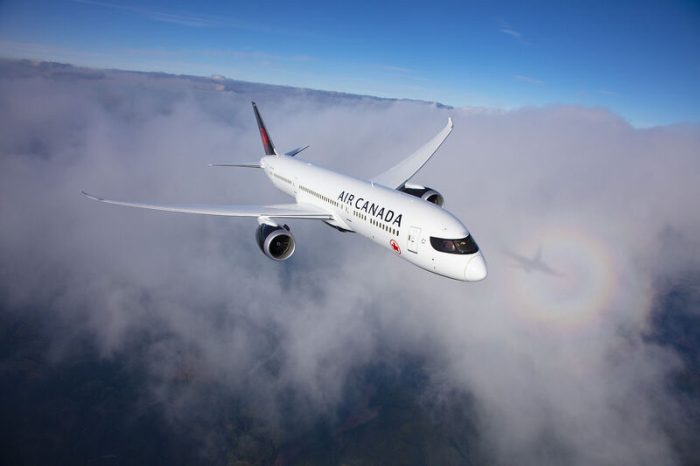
299, 211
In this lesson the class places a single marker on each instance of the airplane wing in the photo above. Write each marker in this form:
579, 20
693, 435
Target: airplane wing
302, 211
396, 176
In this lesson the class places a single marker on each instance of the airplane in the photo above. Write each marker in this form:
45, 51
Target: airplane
536, 264
405, 218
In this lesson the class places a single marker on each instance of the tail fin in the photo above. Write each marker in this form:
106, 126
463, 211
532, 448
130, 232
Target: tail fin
266, 141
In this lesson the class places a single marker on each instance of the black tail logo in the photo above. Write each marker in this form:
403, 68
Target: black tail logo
266, 141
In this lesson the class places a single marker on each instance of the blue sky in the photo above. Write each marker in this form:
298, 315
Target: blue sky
641, 59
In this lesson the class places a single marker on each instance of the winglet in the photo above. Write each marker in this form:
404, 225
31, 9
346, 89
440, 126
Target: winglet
266, 141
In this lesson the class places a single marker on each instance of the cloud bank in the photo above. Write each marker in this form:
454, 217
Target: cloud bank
555, 369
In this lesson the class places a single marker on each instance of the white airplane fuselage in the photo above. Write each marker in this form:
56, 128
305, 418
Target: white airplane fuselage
397, 221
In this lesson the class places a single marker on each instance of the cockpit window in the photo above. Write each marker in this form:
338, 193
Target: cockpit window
455, 246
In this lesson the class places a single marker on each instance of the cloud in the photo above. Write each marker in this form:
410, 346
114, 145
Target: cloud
396, 69
156, 15
528, 79
264, 56
202, 21
505, 28
510, 32
558, 369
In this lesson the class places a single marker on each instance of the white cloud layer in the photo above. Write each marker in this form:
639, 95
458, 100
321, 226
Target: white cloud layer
558, 368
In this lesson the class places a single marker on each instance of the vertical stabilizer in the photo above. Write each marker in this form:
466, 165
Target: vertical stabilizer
266, 141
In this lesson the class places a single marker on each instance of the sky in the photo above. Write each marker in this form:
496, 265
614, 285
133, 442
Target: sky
555, 368
637, 58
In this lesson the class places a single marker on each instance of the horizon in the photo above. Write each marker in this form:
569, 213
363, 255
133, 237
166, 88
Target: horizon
636, 59
476, 109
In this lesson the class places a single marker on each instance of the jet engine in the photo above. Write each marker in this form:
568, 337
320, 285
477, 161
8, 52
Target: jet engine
275, 241
425, 193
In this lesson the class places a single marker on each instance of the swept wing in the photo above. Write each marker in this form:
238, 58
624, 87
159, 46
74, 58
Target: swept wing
398, 175
270, 211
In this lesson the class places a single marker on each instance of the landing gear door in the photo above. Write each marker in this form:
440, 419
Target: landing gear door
413, 238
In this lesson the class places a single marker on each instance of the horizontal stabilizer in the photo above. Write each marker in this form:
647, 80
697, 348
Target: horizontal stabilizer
243, 165
294, 152
302, 211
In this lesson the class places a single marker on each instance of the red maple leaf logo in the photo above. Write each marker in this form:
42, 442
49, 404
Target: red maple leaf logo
395, 246
266, 141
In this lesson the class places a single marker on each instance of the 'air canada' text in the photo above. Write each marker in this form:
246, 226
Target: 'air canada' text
371, 208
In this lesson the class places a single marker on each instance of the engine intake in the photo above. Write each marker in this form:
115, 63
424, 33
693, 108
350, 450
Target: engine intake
425, 193
276, 242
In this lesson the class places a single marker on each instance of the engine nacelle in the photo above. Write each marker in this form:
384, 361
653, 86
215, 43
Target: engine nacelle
425, 193
276, 242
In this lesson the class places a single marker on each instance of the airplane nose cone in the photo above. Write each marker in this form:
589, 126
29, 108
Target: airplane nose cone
476, 269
